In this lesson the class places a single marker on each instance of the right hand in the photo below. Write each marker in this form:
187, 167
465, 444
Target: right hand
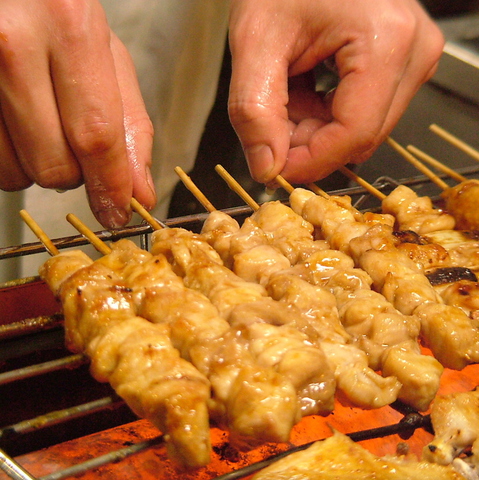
70, 107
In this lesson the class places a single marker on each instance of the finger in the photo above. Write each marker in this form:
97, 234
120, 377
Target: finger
138, 127
12, 176
360, 107
258, 98
34, 130
90, 105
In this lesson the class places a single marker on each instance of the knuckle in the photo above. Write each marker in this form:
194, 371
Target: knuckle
246, 111
78, 21
59, 176
94, 136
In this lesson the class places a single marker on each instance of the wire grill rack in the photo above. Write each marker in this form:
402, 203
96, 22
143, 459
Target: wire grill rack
25, 333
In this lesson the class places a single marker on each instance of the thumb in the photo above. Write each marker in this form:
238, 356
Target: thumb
257, 106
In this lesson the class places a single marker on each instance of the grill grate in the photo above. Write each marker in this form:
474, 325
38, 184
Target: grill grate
32, 350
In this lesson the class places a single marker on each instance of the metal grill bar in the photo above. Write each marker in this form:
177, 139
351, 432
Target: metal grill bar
12, 468
111, 457
71, 361
59, 416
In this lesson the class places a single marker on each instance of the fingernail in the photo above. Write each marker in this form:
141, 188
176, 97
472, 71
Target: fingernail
260, 162
114, 217
150, 182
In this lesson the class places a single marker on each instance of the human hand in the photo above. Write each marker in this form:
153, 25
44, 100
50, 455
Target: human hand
70, 107
383, 52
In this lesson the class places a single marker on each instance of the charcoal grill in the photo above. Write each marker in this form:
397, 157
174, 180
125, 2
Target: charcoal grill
56, 422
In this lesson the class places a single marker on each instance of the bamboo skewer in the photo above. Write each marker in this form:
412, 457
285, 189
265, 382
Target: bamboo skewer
317, 190
236, 187
456, 142
436, 163
284, 184
190, 185
143, 212
417, 164
359, 180
41, 235
99, 244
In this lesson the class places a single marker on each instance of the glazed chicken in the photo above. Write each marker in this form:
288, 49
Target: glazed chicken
389, 338
455, 420
447, 330
318, 316
248, 307
416, 213
461, 203
219, 352
133, 355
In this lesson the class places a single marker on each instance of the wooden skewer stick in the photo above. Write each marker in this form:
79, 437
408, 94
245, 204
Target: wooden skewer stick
436, 163
190, 185
456, 142
284, 184
236, 187
99, 244
360, 181
145, 214
416, 163
41, 235
317, 190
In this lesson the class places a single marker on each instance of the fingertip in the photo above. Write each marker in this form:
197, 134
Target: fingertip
144, 190
114, 217
260, 162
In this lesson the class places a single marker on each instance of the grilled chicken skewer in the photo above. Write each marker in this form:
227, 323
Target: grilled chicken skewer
253, 401
449, 258
459, 200
445, 329
249, 309
133, 355
277, 228
318, 304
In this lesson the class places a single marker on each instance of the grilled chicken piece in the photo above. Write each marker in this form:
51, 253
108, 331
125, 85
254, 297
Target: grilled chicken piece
456, 343
424, 253
218, 229
455, 419
461, 246
232, 295
218, 351
461, 202
135, 356
415, 213
465, 295
288, 231
338, 457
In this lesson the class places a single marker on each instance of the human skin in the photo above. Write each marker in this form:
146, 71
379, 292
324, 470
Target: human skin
71, 109
382, 51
